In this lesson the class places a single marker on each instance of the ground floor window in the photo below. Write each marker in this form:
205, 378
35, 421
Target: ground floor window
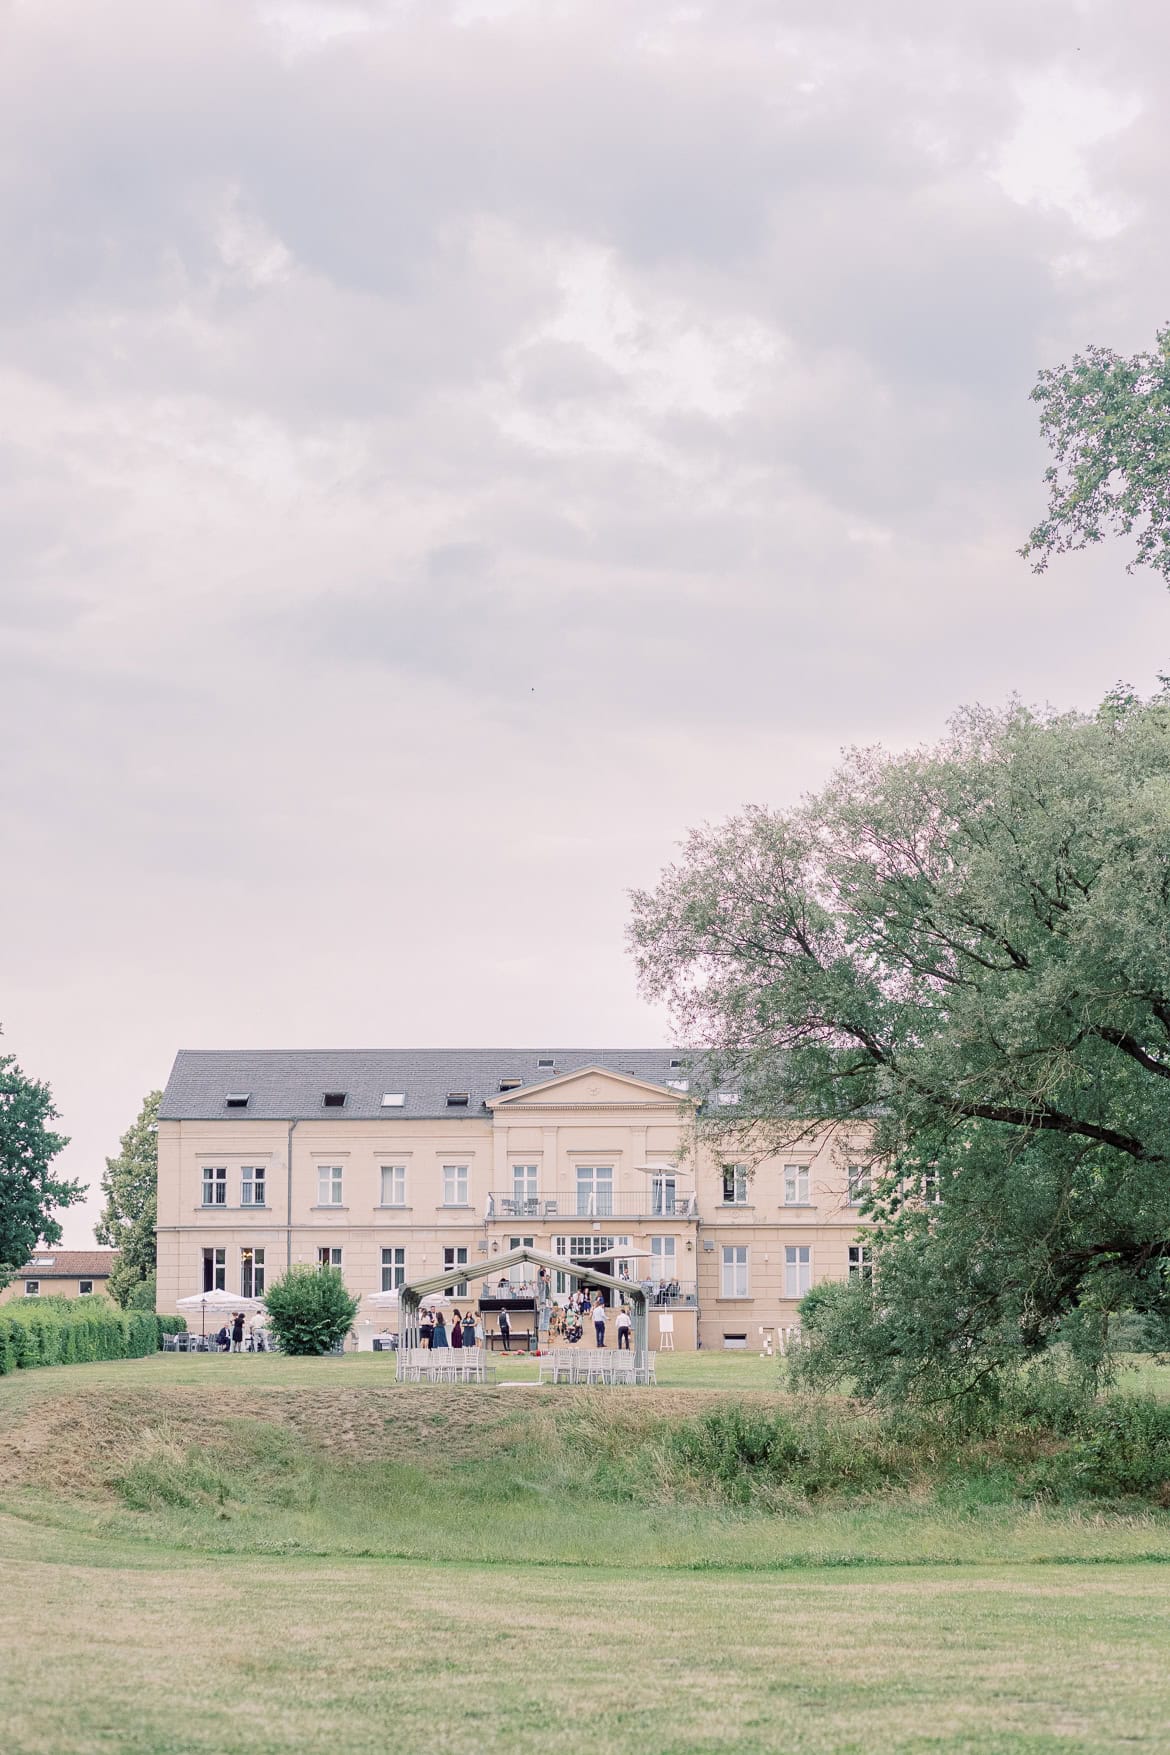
215, 1270
252, 1273
328, 1255
393, 1269
32, 1288
734, 1343
85, 1288
797, 1269
735, 1270
453, 1258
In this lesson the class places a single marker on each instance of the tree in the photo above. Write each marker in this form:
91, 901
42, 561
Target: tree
130, 1185
29, 1193
963, 952
1107, 419
310, 1309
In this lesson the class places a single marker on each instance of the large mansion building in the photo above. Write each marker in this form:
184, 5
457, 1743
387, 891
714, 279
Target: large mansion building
396, 1165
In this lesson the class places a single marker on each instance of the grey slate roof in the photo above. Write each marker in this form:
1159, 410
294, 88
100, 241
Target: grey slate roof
288, 1084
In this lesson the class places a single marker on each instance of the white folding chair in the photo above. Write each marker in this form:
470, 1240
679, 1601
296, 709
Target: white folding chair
645, 1372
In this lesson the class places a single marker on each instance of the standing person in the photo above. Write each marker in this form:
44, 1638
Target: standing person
238, 1332
599, 1321
505, 1331
426, 1329
457, 1330
623, 1328
439, 1338
469, 1329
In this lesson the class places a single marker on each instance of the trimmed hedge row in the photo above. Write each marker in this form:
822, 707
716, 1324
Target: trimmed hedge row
77, 1331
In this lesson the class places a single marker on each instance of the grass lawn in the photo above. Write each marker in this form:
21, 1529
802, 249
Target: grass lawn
260, 1554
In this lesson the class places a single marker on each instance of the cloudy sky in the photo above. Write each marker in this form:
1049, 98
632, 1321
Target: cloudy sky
449, 449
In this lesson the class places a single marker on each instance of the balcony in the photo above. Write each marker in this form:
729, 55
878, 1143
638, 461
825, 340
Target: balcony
576, 1204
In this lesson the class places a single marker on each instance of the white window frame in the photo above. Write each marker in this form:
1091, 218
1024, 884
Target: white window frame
860, 1177
215, 1183
796, 1185
218, 1268
734, 1276
738, 1177
525, 1184
860, 1262
32, 1288
457, 1187
663, 1260
330, 1185
797, 1269
663, 1194
393, 1185
253, 1185
329, 1255
393, 1268
85, 1288
455, 1256
594, 1190
252, 1267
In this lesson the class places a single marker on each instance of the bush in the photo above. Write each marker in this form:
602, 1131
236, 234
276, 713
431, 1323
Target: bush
311, 1309
141, 1296
72, 1331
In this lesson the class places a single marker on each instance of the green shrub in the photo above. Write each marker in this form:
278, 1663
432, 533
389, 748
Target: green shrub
142, 1295
310, 1309
72, 1331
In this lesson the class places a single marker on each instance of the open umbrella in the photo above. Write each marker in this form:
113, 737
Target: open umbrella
218, 1301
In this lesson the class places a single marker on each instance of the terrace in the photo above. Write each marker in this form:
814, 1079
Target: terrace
652, 1202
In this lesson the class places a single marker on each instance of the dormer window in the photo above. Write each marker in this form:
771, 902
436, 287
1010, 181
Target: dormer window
546, 1065
393, 1099
458, 1099
511, 1084
334, 1099
238, 1099
678, 1084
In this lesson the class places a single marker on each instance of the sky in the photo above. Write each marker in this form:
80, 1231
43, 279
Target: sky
451, 449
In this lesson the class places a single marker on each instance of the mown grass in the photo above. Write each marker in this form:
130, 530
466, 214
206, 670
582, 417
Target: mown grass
267, 1555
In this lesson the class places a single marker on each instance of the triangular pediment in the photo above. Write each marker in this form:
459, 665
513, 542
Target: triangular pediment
592, 1087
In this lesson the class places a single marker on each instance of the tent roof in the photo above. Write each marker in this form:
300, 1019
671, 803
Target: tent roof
480, 1270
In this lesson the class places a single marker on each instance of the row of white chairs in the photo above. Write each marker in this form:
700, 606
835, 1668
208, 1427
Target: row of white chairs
442, 1365
596, 1365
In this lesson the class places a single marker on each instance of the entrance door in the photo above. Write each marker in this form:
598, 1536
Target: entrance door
599, 1267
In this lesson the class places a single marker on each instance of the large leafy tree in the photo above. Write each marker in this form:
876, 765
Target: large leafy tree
29, 1192
1107, 420
130, 1185
964, 953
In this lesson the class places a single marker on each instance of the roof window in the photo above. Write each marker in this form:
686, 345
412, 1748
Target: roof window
393, 1099
678, 1084
238, 1099
458, 1099
511, 1084
675, 1064
334, 1099
546, 1063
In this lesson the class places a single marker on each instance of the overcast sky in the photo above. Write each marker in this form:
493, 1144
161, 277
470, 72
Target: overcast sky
450, 449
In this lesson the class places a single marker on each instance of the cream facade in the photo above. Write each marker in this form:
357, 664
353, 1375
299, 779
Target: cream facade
595, 1157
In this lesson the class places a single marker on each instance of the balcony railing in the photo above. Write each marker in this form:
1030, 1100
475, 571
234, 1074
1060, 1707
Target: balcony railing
574, 1203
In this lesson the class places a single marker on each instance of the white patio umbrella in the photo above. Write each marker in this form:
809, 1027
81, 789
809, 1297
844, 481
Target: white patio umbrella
382, 1300
219, 1301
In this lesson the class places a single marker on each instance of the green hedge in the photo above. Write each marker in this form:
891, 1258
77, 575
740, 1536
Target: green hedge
77, 1331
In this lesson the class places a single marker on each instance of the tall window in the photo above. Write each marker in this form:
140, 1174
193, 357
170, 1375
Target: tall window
455, 1184
328, 1255
215, 1270
252, 1273
524, 1185
252, 1185
797, 1269
453, 1258
394, 1185
594, 1191
796, 1185
931, 1191
858, 1184
525, 1270
329, 1185
214, 1185
735, 1185
662, 1260
663, 1191
393, 1269
735, 1270
860, 1266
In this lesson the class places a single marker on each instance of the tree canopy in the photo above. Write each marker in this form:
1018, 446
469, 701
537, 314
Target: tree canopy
128, 1219
29, 1192
963, 954
1107, 421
